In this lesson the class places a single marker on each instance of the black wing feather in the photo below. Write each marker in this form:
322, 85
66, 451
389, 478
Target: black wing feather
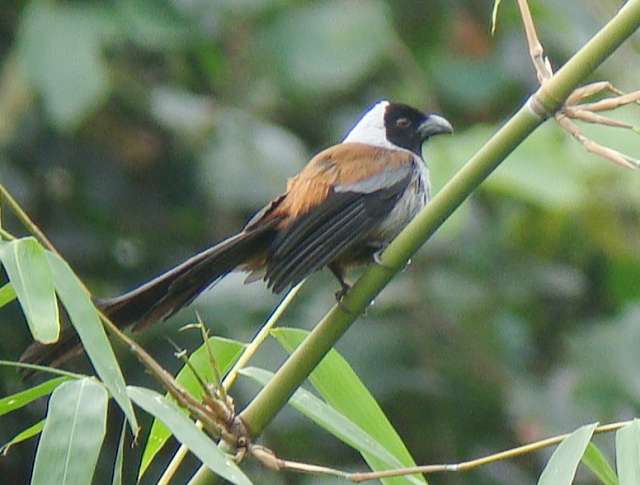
326, 231
323, 239
321, 256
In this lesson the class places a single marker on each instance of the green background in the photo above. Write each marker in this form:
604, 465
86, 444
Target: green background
137, 132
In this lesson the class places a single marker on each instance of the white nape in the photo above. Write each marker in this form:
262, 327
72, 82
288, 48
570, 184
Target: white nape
370, 129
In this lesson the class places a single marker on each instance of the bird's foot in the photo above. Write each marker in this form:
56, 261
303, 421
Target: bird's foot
377, 258
342, 292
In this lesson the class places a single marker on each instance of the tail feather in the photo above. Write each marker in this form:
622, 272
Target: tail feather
164, 295
52, 355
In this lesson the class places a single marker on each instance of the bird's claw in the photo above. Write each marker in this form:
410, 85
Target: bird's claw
342, 292
377, 258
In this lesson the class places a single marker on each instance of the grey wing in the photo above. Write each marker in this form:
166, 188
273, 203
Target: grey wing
332, 227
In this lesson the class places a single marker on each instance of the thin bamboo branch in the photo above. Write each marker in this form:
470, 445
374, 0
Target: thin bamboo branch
267, 458
612, 103
571, 109
545, 102
471, 464
578, 113
541, 64
4, 234
260, 337
24, 218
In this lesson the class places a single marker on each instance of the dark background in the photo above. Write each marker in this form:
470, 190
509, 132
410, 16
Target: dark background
137, 132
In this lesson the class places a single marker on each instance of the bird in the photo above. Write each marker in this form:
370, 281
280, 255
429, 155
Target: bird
341, 210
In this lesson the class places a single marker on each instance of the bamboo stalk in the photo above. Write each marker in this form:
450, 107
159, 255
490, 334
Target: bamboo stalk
543, 104
232, 376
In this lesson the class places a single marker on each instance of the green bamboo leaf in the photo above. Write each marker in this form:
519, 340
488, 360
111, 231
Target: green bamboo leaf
16, 401
343, 390
117, 467
334, 422
188, 433
85, 320
563, 464
28, 433
598, 464
72, 435
43, 369
226, 352
71, 85
26, 264
307, 46
628, 453
7, 294
494, 15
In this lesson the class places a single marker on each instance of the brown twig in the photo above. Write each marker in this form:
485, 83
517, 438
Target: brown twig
540, 62
594, 147
573, 109
270, 460
611, 103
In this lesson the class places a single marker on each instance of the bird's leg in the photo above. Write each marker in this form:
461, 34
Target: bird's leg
338, 272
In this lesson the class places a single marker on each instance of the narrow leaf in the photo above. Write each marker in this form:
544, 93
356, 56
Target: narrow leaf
72, 435
598, 464
94, 339
628, 453
7, 294
20, 399
343, 390
226, 353
188, 433
563, 464
494, 15
72, 85
42, 368
334, 422
28, 433
117, 466
29, 273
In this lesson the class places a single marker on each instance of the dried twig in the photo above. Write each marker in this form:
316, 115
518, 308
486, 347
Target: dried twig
270, 460
540, 62
573, 108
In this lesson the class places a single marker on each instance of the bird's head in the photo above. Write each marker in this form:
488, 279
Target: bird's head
397, 125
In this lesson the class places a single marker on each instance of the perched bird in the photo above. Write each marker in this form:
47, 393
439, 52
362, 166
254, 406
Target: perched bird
345, 206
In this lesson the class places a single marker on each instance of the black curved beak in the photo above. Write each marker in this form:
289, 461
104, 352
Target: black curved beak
434, 125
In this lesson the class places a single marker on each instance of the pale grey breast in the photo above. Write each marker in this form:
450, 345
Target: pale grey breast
414, 198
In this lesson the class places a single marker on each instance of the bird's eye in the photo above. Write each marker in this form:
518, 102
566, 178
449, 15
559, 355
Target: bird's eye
403, 123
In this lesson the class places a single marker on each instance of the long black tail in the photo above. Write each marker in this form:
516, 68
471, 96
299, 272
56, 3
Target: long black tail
164, 295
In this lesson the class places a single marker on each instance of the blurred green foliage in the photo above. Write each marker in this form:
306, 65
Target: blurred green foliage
138, 131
